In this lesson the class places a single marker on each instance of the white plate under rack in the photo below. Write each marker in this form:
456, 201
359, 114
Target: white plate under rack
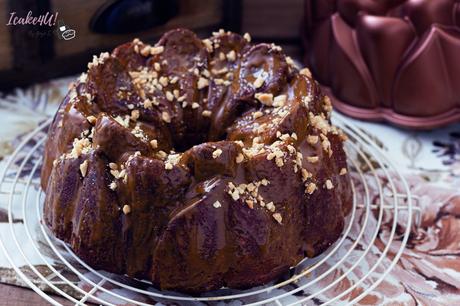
382, 202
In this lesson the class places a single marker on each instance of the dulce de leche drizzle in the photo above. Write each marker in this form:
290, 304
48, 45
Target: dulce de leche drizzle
195, 164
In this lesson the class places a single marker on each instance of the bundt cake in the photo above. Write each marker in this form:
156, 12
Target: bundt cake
195, 164
396, 60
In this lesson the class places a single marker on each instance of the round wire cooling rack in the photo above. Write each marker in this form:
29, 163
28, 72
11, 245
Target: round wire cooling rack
360, 258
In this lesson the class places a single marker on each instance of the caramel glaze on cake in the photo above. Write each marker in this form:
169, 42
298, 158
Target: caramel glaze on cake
195, 164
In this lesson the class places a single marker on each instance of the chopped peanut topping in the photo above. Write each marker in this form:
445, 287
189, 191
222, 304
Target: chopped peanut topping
259, 82
257, 114
278, 217
135, 114
156, 50
84, 168
312, 139
306, 72
166, 117
310, 188
145, 51
91, 119
279, 101
231, 56
169, 96
113, 185
216, 153
247, 37
126, 209
202, 83
265, 98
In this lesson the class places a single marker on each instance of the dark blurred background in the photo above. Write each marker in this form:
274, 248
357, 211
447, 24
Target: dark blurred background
34, 53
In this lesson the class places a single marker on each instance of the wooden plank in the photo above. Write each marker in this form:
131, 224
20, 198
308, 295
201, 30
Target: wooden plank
6, 59
274, 19
17, 296
77, 15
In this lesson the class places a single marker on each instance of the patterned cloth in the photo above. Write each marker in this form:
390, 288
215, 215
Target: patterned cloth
429, 270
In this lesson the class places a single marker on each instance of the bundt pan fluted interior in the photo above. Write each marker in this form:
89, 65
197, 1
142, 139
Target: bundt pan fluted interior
196, 164
394, 60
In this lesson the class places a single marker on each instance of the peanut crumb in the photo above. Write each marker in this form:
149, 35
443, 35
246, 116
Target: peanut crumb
343, 171
259, 82
169, 96
156, 50
306, 72
216, 153
113, 185
239, 158
278, 217
329, 184
265, 98
310, 188
164, 81
257, 114
202, 83
305, 175
166, 117
145, 51
154, 143
195, 105
135, 114
312, 139
231, 56
126, 209
91, 119
279, 101
247, 37
148, 104
270, 206
84, 168
206, 113
235, 195
208, 45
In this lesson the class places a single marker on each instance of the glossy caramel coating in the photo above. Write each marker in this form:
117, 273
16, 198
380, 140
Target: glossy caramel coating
191, 181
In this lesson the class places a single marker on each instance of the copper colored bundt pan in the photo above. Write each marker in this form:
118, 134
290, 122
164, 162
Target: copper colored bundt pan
392, 60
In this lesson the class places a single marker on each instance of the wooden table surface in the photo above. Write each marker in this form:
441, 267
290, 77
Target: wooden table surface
17, 296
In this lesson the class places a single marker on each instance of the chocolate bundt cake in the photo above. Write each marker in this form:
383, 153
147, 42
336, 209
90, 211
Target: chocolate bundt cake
397, 60
195, 164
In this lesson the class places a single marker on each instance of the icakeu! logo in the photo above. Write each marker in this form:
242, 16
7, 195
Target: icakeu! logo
64, 32
44, 20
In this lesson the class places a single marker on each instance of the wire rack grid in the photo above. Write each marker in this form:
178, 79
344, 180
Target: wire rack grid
27, 244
